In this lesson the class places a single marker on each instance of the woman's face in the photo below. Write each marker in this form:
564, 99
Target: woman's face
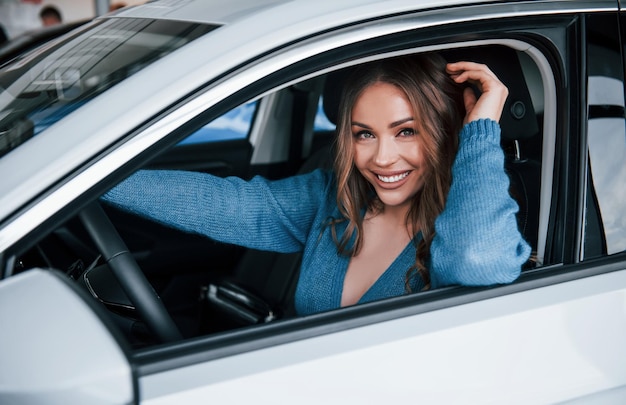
388, 148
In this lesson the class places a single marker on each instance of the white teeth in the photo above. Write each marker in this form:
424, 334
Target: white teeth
392, 179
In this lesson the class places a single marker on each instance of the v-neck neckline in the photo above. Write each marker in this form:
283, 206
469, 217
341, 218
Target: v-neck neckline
388, 271
385, 275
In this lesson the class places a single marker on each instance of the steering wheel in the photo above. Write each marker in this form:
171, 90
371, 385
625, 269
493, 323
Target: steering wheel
125, 268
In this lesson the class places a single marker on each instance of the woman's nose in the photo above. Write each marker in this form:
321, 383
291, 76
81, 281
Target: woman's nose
387, 152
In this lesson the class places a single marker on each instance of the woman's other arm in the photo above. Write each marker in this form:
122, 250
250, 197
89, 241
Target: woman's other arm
260, 214
477, 240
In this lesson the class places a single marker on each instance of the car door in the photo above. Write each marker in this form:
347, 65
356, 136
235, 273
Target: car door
555, 335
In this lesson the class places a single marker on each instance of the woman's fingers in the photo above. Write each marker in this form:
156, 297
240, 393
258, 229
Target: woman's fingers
469, 99
464, 71
493, 93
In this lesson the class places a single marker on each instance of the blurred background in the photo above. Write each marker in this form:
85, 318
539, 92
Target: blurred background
21, 16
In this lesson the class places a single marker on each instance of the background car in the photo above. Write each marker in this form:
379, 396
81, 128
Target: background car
101, 306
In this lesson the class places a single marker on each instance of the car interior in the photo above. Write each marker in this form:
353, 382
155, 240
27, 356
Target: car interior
210, 287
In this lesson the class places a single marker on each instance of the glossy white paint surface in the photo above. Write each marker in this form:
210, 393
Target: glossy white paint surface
54, 349
546, 345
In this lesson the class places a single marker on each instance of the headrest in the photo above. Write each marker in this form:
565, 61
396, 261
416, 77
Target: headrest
518, 120
332, 93
518, 117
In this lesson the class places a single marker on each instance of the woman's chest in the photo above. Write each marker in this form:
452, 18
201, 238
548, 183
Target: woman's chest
323, 274
380, 248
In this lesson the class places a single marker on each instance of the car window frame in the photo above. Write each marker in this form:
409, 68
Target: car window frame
361, 315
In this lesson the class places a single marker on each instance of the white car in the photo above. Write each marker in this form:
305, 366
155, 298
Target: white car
98, 306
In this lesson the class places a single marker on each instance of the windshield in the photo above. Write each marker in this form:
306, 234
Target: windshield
40, 87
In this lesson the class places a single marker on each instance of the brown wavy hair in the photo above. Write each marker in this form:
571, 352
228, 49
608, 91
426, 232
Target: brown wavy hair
437, 104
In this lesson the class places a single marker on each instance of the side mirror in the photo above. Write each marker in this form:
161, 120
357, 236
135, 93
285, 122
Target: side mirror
54, 348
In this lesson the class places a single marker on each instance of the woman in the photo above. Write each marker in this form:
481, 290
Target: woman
403, 210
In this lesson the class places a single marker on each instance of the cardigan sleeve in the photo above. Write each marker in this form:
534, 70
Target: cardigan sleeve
259, 214
477, 240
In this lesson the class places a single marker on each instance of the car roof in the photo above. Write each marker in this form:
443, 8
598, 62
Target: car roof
49, 157
278, 13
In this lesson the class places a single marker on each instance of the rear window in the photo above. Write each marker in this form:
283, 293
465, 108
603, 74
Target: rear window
40, 87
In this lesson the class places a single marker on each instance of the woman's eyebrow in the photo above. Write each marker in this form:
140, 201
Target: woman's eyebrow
358, 124
392, 125
400, 122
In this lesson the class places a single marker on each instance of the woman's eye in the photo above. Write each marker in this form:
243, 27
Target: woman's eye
363, 135
407, 132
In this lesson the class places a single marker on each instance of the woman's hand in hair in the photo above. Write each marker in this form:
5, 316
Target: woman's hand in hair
493, 92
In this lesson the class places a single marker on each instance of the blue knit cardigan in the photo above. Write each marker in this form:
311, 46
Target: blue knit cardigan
477, 240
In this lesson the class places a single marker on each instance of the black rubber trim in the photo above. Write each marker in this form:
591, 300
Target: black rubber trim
606, 111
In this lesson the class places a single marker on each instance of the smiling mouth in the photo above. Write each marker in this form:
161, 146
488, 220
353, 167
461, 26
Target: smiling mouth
392, 179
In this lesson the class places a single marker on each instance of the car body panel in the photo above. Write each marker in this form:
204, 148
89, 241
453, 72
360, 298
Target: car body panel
545, 345
280, 14
51, 318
